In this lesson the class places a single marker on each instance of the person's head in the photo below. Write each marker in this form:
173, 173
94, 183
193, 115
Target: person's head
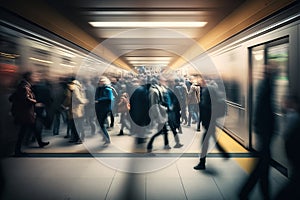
162, 80
103, 80
29, 77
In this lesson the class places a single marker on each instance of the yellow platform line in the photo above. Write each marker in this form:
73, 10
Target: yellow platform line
231, 146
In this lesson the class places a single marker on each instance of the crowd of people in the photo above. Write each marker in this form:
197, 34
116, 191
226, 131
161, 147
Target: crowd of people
147, 106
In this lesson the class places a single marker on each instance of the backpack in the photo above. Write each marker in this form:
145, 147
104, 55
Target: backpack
220, 105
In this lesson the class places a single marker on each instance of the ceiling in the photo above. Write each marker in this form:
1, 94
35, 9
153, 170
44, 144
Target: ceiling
138, 46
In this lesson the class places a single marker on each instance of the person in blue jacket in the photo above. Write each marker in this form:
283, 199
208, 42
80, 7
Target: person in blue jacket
103, 101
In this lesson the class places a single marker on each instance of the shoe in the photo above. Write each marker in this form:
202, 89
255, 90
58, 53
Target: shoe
198, 130
200, 166
149, 150
178, 145
78, 142
42, 144
120, 133
66, 136
167, 147
106, 143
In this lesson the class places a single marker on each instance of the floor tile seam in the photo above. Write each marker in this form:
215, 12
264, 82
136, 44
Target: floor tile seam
181, 181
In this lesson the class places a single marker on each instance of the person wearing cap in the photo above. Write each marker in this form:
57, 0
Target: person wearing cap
103, 101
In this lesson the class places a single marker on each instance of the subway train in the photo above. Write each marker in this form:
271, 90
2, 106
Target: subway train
239, 60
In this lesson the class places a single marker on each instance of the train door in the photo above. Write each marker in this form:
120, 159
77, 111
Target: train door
275, 52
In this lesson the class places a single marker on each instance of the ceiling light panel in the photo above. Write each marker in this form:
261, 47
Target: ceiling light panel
148, 24
141, 61
168, 13
149, 58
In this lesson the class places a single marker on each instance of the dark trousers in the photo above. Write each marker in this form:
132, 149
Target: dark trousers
261, 171
24, 130
73, 130
163, 131
102, 117
56, 122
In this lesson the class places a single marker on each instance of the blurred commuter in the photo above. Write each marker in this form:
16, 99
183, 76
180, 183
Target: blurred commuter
89, 109
42, 92
67, 107
174, 115
181, 92
23, 110
264, 123
58, 99
193, 100
103, 105
123, 107
78, 104
208, 119
160, 102
139, 112
111, 114
199, 111
74, 104
292, 138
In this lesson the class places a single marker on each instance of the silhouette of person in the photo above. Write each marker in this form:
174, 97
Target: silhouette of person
23, 109
160, 100
264, 123
103, 105
292, 138
208, 119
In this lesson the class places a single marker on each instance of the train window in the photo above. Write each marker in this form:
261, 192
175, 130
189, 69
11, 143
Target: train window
279, 55
275, 52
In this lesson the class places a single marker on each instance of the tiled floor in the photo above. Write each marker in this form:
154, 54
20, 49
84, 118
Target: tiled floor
60, 175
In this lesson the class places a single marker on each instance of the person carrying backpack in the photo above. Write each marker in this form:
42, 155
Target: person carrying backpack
208, 119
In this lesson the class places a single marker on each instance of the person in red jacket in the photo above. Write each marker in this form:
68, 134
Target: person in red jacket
23, 110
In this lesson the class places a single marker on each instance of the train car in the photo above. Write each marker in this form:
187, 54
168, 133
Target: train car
240, 61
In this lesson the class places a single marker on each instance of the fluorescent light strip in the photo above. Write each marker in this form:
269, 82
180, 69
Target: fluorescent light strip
65, 65
40, 60
148, 62
143, 12
149, 58
147, 24
150, 65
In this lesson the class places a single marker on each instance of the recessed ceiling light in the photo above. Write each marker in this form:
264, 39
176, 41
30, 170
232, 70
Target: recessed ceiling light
144, 12
148, 62
147, 24
148, 58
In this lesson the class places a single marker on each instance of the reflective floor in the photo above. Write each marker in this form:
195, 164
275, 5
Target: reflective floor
64, 170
